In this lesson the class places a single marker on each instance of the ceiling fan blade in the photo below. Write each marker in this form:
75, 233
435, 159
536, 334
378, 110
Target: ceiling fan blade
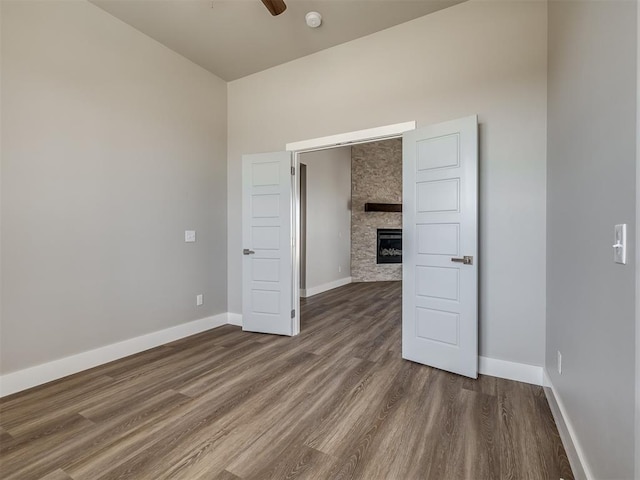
276, 7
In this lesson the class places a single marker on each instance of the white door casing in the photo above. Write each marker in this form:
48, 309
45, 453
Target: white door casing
440, 227
267, 243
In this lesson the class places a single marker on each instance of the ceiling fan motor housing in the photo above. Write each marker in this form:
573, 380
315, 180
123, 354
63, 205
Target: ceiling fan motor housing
275, 7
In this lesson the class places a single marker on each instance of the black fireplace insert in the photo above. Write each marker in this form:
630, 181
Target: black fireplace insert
389, 246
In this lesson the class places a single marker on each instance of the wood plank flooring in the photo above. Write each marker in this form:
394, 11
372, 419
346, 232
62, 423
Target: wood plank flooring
336, 402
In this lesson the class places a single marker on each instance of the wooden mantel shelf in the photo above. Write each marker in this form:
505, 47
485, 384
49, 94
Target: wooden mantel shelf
383, 207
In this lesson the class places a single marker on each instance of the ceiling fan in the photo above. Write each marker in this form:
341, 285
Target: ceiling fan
275, 7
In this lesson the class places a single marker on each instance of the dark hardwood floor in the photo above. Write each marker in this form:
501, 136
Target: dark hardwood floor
335, 402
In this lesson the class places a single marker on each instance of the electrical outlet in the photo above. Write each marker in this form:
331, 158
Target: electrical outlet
339, 268
559, 362
199, 300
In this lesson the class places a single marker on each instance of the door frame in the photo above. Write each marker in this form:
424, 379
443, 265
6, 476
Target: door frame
324, 143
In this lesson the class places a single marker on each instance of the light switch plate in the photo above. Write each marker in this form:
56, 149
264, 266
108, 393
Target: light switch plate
620, 244
559, 363
189, 236
199, 300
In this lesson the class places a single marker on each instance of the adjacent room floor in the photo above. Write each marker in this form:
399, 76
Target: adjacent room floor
335, 402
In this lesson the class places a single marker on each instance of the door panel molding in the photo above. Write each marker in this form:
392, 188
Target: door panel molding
266, 235
440, 223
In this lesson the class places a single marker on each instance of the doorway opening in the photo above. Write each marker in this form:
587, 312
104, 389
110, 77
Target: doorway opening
349, 139
350, 214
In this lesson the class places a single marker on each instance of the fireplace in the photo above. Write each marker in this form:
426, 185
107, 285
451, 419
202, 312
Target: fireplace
389, 246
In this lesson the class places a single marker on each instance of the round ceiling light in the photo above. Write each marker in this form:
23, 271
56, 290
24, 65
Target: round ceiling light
313, 19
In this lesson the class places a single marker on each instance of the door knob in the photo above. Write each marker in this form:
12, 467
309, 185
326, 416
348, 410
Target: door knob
246, 251
467, 260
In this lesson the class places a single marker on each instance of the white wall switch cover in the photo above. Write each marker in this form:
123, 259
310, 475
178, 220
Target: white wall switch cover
559, 362
199, 300
189, 236
620, 244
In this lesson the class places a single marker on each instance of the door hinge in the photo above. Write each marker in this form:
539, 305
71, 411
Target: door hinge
293, 170
293, 314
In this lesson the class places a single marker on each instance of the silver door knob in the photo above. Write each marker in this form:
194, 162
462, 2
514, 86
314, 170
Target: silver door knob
467, 260
246, 251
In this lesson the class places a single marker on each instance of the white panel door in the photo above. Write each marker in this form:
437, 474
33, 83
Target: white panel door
267, 243
440, 246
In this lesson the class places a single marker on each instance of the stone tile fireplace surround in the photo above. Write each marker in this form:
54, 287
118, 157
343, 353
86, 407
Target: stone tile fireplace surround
376, 177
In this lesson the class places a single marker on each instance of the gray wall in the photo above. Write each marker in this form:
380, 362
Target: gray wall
328, 216
590, 188
488, 58
637, 242
112, 146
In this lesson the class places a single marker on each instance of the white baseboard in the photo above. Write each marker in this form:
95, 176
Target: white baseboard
47, 372
34, 376
520, 372
575, 453
234, 319
310, 292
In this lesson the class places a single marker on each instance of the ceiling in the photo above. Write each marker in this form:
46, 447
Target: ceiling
235, 38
